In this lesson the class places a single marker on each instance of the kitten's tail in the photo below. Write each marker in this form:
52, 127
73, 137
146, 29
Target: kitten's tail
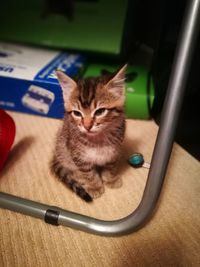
61, 173
79, 190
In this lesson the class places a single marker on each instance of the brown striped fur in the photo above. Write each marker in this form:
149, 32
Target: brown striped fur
89, 143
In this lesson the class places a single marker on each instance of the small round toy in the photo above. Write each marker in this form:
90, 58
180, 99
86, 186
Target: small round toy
137, 160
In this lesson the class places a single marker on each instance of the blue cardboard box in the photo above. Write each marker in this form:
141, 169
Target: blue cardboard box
27, 78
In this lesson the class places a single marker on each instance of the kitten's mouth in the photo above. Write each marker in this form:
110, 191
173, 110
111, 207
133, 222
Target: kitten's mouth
91, 132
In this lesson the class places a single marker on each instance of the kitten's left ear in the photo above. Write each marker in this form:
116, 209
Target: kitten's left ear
117, 84
66, 83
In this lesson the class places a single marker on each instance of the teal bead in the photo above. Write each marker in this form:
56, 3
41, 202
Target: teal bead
136, 160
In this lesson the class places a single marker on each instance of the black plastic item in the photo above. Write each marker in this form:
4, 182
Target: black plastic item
51, 217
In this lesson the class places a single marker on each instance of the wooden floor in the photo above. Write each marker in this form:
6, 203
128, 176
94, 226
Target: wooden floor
170, 238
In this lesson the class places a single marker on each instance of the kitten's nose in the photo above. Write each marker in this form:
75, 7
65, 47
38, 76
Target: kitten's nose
87, 124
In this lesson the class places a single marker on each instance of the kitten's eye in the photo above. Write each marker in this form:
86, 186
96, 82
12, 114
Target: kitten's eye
100, 112
76, 113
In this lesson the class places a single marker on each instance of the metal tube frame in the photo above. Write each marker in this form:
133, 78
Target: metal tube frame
160, 158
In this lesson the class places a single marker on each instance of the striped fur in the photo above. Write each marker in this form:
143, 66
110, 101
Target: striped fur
90, 140
62, 173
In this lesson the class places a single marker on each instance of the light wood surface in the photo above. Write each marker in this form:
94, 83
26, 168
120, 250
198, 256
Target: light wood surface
170, 238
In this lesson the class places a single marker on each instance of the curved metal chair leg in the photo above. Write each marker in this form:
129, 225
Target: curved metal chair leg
161, 154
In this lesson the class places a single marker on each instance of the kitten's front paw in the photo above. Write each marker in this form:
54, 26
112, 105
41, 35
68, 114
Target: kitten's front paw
117, 183
95, 193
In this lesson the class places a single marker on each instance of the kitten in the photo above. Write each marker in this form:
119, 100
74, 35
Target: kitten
88, 146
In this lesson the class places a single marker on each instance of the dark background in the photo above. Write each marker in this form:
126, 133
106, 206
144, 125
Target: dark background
157, 24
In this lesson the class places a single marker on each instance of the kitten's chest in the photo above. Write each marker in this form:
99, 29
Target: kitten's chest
100, 155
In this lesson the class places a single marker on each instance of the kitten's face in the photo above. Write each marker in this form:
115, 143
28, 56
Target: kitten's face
93, 103
90, 120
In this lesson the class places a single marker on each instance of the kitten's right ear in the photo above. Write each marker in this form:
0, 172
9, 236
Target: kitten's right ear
67, 84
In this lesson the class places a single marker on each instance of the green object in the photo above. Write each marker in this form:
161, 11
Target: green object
136, 160
96, 26
139, 98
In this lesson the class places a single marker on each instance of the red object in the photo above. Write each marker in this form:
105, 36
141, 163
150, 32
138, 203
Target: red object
7, 135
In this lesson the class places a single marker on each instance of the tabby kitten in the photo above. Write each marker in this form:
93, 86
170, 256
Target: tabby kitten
88, 146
